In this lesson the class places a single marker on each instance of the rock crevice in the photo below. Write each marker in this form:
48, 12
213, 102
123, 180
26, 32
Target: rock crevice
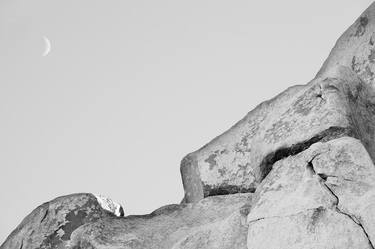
350, 216
324, 136
359, 224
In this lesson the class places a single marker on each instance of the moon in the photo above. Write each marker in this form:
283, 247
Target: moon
47, 46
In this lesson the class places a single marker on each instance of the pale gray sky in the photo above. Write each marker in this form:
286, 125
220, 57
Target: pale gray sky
130, 87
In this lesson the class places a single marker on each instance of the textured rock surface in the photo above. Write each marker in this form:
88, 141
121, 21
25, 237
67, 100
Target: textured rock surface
295, 172
216, 222
78, 221
341, 96
51, 225
319, 228
326, 187
355, 49
237, 161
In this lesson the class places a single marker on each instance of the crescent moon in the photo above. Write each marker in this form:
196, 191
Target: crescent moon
47, 49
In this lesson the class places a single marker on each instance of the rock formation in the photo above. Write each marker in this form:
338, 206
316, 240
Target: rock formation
296, 172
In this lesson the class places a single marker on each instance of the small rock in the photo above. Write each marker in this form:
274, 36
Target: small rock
111, 206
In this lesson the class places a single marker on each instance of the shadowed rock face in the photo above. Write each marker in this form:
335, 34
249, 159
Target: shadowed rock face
295, 172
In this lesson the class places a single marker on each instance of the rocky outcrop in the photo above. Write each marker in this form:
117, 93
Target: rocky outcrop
296, 172
78, 222
238, 160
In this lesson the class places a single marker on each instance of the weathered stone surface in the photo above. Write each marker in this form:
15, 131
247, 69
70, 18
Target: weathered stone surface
52, 224
78, 221
215, 222
239, 159
317, 228
349, 174
340, 96
295, 172
355, 49
341, 99
329, 182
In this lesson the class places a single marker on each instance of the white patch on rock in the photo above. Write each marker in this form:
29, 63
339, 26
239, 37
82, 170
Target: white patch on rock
109, 205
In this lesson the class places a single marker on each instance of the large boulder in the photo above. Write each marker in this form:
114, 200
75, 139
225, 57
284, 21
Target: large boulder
322, 197
340, 104
340, 99
295, 172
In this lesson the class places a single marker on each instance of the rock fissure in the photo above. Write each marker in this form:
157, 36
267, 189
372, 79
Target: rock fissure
45, 215
322, 179
283, 216
337, 209
225, 190
325, 177
320, 94
356, 221
327, 135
